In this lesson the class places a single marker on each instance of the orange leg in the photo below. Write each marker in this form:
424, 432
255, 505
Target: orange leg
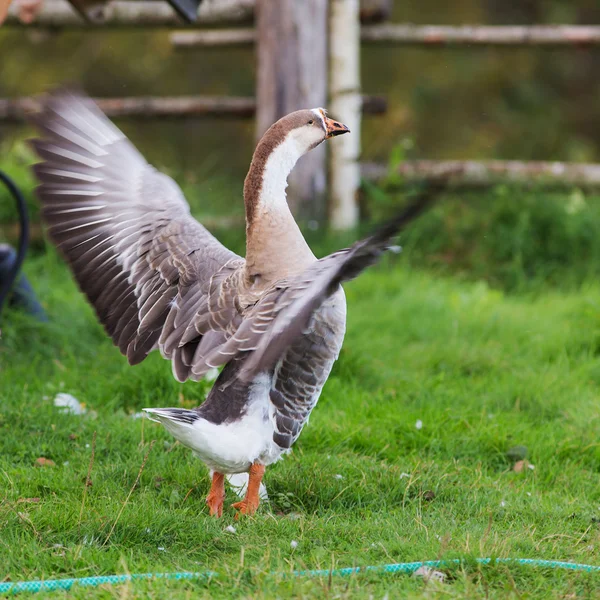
250, 503
216, 495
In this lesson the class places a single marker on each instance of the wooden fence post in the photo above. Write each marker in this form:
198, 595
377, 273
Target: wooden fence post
292, 74
345, 106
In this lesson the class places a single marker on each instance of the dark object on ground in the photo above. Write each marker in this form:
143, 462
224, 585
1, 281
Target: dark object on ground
11, 261
22, 295
517, 453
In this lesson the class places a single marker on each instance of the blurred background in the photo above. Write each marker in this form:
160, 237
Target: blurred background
523, 103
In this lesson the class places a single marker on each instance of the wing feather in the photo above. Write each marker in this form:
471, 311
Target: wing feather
126, 231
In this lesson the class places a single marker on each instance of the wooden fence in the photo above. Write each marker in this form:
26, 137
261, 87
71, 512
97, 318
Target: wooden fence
318, 65
151, 107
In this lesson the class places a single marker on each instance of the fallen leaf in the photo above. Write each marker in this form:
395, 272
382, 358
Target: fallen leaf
44, 462
429, 495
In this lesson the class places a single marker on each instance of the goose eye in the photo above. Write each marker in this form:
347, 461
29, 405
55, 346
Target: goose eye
311, 122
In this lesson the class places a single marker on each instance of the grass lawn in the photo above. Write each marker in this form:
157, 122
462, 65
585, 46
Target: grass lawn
482, 372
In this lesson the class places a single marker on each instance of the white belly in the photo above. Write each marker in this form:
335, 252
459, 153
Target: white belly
233, 447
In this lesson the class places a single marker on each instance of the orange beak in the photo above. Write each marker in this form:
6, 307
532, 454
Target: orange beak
334, 128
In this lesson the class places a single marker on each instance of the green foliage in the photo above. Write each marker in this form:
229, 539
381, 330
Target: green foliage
514, 238
16, 160
379, 201
483, 371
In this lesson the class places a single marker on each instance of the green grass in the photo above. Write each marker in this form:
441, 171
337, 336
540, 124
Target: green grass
484, 372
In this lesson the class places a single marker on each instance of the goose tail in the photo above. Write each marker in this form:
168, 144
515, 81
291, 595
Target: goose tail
180, 416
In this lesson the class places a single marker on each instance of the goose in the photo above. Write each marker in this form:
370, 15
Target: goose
274, 321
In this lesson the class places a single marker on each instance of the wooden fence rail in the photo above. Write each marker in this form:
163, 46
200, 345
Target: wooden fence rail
471, 173
150, 107
214, 37
482, 35
421, 35
59, 14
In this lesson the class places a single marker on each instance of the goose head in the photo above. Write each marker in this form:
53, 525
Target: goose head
306, 129
283, 144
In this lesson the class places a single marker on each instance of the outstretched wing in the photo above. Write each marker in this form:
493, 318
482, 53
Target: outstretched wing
283, 314
154, 275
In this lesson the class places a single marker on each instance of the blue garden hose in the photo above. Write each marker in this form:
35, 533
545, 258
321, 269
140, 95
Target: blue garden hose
405, 568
